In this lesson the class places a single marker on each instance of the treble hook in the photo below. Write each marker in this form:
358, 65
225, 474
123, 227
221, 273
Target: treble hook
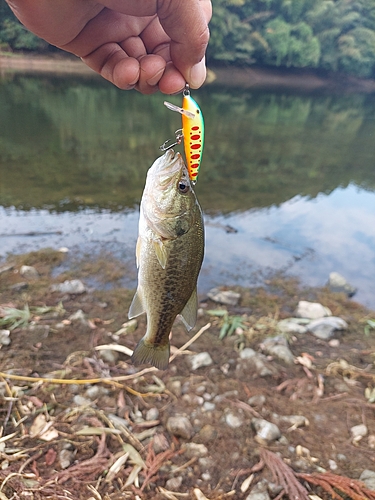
178, 138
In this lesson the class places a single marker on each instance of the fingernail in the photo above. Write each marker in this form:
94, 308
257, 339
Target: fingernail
155, 79
197, 74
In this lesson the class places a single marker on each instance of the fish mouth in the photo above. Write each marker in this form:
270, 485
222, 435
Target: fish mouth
172, 164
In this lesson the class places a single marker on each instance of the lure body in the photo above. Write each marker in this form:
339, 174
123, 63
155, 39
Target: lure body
192, 132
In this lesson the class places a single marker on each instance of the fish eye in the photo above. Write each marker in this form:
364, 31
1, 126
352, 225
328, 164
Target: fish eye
183, 187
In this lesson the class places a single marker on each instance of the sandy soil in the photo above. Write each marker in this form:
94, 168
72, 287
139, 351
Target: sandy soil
211, 457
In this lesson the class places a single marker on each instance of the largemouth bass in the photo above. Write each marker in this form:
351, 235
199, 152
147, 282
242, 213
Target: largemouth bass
169, 254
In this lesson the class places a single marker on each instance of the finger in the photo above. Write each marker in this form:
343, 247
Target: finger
186, 23
151, 70
113, 64
172, 82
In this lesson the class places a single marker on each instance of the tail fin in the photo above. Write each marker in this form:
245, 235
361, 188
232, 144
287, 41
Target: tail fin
157, 356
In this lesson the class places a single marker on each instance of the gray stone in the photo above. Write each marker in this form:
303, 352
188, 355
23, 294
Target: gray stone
358, 432
291, 325
70, 286
324, 328
207, 434
266, 431
208, 406
81, 401
278, 346
152, 414
293, 420
180, 426
260, 491
368, 477
174, 483
256, 362
66, 457
29, 272
4, 337
226, 297
199, 360
17, 287
247, 353
95, 391
234, 421
257, 400
332, 464
78, 316
337, 283
195, 450
109, 356
311, 310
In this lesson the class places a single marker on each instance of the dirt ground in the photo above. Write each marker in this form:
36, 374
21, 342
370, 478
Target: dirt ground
100, 429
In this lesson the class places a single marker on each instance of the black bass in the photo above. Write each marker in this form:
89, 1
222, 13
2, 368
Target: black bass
169, 254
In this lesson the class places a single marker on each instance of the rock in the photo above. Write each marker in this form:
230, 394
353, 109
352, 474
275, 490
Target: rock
95, 391
337, 283
78, 316
324, 328
291, 325
278, 346
332, 464
81, 401
109, 356
66, 457
257, 400
174, 483
152, 414
256, 362
17, 287
260, 491
208, 406
292, 420
29, 272
233, 420
70, 286
175, 387
368, 477
160, 443
199, 360
207, 434
195, 450
4, 337
311, 310
266, 431
180, 426
358, 432
226, 297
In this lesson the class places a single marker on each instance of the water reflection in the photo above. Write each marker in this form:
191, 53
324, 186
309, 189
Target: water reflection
294, 174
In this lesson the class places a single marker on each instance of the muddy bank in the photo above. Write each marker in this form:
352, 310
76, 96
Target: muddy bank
230, 418
297, 80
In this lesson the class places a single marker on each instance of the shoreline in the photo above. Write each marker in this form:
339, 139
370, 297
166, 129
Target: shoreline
297, 80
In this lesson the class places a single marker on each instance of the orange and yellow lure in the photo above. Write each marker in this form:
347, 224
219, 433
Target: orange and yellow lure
192, 132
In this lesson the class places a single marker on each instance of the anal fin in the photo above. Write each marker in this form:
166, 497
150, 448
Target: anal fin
189, 313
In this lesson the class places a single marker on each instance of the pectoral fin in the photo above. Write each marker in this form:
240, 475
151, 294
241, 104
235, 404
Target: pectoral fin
136, 307
189, 313
161, 252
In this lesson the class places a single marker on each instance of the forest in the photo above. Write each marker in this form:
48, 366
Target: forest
330, 35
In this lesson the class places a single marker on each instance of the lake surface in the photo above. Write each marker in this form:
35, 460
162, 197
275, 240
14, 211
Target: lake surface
293, 174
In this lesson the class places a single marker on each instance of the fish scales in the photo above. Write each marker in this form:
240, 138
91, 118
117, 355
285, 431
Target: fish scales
170, 251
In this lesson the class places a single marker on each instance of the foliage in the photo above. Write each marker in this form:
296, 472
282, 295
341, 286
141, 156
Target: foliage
229, 323
14, 35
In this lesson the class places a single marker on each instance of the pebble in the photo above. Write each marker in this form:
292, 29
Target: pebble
234, 421
160, 443
4, 337
95, 391
174, 483
266, 431
208, 406
368, 477
311, 310
17, 287
152, 414
207, 434
78, 316
109, 356
324, 328
291, 325
199, 360
180, 426
293, 420
226, 297
206, 476
358, 432
257, 400
29, 272
175, 387
337, 283
371, 441
334, 343
81, 401
66, 457
195, 450
259, 492
332, 464
70, 286
278, 346
257, 362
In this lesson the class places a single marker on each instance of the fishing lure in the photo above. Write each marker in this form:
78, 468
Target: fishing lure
192, 132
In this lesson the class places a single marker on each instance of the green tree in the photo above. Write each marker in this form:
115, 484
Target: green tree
357, 52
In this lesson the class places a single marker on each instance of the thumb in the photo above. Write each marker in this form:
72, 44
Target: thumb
186, 23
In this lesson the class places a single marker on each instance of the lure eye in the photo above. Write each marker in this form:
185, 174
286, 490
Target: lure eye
183, 187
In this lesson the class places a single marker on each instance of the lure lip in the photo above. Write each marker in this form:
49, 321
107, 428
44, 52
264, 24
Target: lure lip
182, 111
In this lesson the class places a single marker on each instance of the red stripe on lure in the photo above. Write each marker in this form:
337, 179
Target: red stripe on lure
192, 130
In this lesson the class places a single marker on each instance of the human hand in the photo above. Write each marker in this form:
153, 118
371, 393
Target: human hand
149, 45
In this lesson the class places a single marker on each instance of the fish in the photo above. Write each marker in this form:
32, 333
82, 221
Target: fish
192, 132
169, 255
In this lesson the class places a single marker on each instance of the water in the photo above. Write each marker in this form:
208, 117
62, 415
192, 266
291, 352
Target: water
292, 174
